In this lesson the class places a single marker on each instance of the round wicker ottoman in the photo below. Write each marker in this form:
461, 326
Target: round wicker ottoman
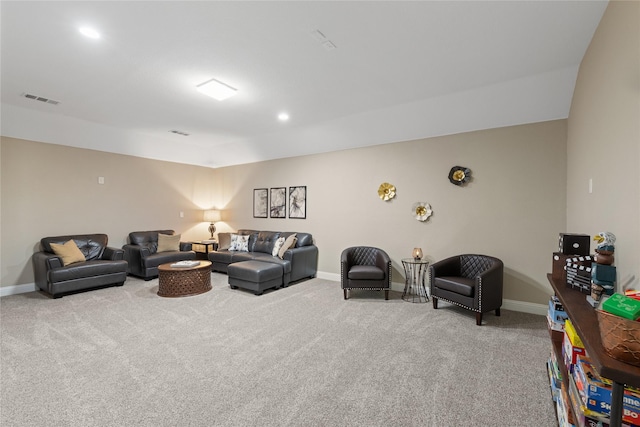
183, 282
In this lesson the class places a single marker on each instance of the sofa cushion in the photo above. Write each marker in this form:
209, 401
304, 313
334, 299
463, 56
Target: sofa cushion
264, 241
91, 245
458, 285
224, 241
68, 252
167, 242
239, 243
365, 272
276, 246
87, 269
154, 260
290, 242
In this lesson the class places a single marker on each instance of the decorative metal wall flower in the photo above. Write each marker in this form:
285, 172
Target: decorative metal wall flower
421, 211
386, 191
459, 175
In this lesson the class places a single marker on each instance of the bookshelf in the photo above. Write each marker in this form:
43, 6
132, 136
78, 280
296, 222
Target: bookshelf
585, 321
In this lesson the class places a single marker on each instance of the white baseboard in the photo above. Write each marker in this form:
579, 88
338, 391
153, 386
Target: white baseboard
525, 307
17, 289
507, 304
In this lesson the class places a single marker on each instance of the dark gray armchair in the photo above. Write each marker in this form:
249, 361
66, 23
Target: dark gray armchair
143, 258
470, 281
365, 267
103, 266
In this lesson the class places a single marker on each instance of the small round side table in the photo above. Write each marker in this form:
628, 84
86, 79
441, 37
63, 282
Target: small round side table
415, 271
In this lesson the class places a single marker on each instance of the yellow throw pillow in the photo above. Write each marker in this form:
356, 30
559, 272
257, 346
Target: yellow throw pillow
68, 252
289, 243
168, 242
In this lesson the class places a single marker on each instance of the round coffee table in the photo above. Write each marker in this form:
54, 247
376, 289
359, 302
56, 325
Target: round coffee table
184, 281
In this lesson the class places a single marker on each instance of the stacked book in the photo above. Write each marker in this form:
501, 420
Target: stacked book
185, 264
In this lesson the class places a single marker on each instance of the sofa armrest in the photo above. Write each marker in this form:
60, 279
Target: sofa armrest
185, 246
490, 284
42, 263
134, 254
304, 261
112, 254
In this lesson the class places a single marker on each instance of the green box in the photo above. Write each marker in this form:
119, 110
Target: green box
622, 306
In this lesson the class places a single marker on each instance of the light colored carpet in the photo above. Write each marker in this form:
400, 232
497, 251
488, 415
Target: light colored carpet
299, 356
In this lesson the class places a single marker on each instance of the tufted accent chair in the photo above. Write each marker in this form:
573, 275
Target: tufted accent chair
365, 267
470, 281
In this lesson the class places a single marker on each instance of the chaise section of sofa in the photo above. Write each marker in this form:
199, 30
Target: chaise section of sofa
298, 262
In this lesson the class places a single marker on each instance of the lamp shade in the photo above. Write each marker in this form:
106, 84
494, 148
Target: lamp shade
212, 216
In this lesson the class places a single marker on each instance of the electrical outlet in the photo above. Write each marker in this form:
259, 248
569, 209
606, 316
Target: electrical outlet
181, 214
101, 180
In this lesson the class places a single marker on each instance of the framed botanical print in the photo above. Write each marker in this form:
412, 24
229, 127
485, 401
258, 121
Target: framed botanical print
298, 202
260, 202
278, 202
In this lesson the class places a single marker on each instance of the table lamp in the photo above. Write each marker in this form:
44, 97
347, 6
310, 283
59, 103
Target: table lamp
211, 216
417, 254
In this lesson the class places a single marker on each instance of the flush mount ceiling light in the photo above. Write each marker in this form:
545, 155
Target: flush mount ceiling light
283, 117
89, 32
216, 89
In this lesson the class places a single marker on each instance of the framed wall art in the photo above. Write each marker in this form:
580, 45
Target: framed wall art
278, 202
260, 202
298, 202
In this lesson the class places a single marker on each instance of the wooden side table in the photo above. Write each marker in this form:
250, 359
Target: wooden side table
184, 281
202, 249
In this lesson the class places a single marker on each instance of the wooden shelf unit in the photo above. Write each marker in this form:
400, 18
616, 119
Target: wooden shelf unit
585, 321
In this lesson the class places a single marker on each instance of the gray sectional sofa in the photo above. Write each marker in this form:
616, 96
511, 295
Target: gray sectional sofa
297, 263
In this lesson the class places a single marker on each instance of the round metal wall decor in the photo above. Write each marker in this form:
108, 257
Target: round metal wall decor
421, 211
459, 175
386, 191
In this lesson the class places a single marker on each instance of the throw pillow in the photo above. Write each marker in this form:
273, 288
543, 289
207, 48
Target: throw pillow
224, 241
68, 252
167, 242
239, 243
277, 245
289, 243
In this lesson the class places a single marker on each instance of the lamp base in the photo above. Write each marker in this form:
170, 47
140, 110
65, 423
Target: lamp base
212, 229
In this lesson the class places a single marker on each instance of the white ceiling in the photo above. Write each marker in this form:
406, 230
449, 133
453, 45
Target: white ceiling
400, 71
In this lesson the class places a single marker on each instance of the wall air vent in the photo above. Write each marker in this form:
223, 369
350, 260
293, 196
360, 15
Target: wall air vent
179, 132
41, 99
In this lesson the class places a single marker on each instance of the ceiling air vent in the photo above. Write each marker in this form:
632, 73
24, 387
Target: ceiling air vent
179, 132
41, 99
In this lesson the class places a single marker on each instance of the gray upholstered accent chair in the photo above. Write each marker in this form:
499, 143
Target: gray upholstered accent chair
470, 281
365, 267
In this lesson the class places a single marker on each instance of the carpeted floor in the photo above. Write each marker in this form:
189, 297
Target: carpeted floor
299, 356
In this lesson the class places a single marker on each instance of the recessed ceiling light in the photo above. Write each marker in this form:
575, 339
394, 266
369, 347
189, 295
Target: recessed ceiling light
283, 117
89, 32
216, 89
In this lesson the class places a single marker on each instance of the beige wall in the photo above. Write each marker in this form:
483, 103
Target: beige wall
50, 190
514, 208
603, 138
